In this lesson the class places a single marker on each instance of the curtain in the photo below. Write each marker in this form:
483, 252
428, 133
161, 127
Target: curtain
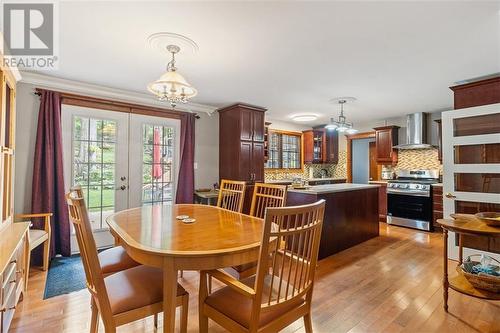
48, 177
185, 185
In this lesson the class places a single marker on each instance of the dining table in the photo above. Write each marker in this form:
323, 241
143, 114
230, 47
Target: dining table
155, 235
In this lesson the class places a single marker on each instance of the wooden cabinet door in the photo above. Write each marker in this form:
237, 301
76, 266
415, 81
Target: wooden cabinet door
246, 124
258, 127
258, 162
385, 138
245, 162
332, 147
382, 202
307, 144
384, 146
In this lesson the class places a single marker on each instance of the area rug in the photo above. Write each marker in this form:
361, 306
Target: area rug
65, 275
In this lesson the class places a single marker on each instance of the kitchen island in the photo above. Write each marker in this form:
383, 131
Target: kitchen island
351, 214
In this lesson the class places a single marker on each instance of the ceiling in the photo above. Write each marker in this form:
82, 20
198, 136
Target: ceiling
291, 57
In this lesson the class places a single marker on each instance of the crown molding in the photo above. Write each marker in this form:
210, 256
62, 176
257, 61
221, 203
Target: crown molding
98, 91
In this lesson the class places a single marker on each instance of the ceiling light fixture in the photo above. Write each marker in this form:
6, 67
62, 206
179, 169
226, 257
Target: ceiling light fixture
172, 86
341, 125
304, 117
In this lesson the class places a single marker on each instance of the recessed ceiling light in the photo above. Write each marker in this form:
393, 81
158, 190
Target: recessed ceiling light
304, 117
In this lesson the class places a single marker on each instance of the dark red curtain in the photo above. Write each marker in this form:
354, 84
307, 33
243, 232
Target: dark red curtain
185, 185
48, 177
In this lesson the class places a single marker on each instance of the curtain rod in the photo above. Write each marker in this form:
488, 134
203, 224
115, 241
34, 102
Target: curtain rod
38, 93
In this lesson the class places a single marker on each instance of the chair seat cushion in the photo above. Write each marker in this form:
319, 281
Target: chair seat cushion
238, 307
114, 260
37, 236
136, 287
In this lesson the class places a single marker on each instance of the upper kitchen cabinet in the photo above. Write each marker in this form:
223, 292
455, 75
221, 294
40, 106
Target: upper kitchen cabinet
321, 146
241, 142
477, 93
386, 138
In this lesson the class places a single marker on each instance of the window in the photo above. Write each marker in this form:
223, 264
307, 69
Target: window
284, 150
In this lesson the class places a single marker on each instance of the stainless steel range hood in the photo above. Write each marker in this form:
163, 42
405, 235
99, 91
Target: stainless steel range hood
416, 132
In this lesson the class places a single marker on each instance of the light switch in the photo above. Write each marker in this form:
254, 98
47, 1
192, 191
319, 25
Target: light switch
195, 165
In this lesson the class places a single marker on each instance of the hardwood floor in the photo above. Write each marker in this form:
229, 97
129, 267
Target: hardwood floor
388, 284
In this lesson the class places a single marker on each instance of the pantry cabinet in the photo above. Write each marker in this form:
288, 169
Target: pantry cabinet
242, 142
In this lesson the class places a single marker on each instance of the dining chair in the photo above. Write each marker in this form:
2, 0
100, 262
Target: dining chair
231, 195
37, 237
279, 293
111, 260
124, 296
264, 196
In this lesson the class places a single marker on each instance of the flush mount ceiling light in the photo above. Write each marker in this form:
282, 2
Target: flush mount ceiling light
304, 117
341, 125
171, 86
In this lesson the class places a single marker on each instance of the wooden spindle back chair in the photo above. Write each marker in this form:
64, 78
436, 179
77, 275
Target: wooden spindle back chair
264, 196
231, 195
280, 291
78, 215
96, 283
267, 196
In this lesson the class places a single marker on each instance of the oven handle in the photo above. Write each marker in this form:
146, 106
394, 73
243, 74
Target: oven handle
415, 193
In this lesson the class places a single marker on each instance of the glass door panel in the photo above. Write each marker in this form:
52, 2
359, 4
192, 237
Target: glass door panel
153, 161
476, 125
477, 154
94, 166
157, 177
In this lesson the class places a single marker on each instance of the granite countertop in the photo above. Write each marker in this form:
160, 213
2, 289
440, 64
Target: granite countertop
332, 188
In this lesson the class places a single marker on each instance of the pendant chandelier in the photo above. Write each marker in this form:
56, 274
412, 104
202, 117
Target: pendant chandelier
341, 125
172, 86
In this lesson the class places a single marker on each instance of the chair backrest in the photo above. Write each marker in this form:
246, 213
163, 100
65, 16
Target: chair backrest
267, 195
288, 255
78, 215
231, 195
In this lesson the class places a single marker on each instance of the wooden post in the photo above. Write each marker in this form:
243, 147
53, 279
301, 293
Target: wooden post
445, 269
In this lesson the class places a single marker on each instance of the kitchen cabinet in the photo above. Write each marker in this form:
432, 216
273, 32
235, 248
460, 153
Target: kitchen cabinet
320, 146
437, 206
242, 142
386, 138
440, 139
477, 93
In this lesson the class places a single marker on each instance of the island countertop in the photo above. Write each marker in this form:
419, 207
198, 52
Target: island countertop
333, 188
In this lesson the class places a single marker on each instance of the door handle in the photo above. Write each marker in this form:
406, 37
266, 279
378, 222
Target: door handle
450, 195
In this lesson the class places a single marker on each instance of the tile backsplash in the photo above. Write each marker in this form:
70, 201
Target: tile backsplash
418, 159
407, 159
337, 171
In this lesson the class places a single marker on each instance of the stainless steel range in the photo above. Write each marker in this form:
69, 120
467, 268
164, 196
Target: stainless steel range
409, 198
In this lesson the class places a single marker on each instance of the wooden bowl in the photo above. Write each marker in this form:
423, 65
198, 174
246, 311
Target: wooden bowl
490, 218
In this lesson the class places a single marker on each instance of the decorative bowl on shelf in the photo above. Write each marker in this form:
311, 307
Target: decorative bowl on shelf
490, 218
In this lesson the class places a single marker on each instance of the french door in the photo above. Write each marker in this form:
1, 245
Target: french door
119, 160
471, 164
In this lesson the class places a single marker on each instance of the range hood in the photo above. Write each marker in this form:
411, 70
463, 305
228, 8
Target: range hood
416, 132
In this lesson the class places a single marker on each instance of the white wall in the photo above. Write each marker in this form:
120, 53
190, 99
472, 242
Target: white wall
206, 147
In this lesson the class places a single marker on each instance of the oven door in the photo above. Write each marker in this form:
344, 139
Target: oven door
409, 210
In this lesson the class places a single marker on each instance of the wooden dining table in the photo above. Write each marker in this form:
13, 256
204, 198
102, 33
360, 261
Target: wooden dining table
153, 236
